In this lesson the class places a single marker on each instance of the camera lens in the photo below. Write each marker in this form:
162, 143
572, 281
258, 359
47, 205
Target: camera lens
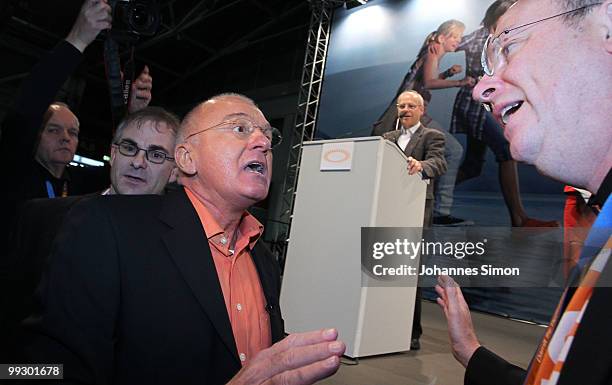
140, 17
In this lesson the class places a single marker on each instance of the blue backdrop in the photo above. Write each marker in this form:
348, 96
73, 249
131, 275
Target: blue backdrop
370, 51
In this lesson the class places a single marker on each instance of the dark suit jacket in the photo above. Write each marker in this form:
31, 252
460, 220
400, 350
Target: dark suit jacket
426, 146
34, 231
589, 360
131, 295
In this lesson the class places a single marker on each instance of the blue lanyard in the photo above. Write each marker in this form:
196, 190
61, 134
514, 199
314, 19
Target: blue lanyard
50, 191
599, 233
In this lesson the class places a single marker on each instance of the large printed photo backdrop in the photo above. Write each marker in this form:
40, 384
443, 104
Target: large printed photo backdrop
371, 50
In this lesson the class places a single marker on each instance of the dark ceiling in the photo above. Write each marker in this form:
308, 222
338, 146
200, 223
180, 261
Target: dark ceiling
201, 48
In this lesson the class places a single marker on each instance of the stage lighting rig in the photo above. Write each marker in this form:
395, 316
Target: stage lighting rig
354, 3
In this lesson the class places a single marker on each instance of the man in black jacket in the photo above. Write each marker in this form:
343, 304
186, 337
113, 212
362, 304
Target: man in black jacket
141, 163
176, 288
547, 69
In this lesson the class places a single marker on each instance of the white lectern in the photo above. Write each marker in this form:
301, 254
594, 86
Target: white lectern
322, 284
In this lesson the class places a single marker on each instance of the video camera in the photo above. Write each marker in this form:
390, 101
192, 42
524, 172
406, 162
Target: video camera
134, 18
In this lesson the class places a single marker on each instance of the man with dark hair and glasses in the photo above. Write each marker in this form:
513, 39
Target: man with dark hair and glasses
548, 81
177, 288
141, 163
40, 135
142, 152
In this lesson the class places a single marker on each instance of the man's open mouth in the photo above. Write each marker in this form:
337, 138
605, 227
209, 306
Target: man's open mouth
509, 110
256, 167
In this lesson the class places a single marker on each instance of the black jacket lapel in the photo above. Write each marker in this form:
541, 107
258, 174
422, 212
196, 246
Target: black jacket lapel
269, 276
189, 249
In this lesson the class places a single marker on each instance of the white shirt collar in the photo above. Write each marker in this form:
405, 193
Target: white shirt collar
412, 129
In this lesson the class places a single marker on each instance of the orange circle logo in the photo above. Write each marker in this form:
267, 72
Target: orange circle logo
336, 155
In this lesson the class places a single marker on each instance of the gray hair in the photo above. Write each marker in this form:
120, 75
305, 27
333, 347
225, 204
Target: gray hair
148, 114
415, 94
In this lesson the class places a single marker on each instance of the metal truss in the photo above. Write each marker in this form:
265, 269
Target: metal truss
307, 110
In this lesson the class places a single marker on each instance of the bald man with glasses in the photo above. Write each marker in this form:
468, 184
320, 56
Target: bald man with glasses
179, 288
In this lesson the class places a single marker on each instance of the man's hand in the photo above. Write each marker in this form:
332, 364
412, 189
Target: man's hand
299, 359
460, 329
140, 96
414, 166
95, 15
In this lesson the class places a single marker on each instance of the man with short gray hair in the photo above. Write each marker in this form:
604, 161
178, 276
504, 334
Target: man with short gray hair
424, 148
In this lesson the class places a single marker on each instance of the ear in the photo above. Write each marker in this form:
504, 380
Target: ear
113, 155
184, 160
606, 10
173, 175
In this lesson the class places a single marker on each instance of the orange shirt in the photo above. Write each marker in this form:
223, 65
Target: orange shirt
242, 291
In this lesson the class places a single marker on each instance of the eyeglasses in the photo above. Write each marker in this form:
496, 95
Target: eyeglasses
495, 50
243, 129
408, 106
130, 149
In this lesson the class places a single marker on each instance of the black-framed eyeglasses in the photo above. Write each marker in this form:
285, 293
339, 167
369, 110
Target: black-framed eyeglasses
130, 149
495, 50
243, 128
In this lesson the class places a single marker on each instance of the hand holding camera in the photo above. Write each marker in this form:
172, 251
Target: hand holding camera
95, 16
